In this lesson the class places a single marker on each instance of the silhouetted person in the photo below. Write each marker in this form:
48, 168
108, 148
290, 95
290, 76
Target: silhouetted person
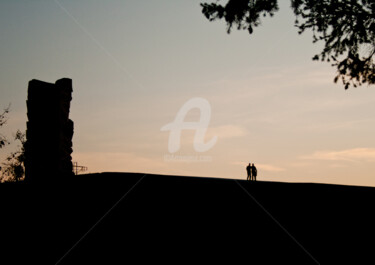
254, 172
248, 170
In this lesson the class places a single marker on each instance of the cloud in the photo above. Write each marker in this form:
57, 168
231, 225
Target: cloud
226, 131
262, 167
300, 164
351, 155
269, 168
221, 132
341, 125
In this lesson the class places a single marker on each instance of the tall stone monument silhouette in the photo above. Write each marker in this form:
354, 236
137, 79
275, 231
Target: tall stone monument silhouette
49, 131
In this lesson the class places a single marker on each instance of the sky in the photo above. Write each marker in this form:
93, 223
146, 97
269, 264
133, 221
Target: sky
135, 64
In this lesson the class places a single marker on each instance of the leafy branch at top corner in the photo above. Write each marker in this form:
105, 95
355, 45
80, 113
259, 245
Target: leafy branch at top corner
245, 14
347, 28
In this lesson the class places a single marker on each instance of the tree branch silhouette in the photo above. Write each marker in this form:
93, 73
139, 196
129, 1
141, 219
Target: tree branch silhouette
347, 28
3, 120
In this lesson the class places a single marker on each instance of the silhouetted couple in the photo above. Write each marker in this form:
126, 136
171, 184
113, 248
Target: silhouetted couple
251, 172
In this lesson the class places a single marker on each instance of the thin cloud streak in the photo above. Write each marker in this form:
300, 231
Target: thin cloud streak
226, 131
351, 155
262, 167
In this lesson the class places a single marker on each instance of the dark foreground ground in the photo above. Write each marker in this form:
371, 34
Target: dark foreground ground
117, 218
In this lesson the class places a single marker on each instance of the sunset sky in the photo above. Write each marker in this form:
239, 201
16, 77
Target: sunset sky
134, 64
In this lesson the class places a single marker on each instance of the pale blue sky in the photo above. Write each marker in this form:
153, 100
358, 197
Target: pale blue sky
135, 63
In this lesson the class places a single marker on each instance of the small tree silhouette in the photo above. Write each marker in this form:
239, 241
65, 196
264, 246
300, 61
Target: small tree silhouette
13, 168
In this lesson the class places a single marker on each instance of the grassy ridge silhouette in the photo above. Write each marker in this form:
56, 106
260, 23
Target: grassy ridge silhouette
114, 217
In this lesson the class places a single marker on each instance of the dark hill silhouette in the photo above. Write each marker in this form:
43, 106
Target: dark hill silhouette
177, 219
